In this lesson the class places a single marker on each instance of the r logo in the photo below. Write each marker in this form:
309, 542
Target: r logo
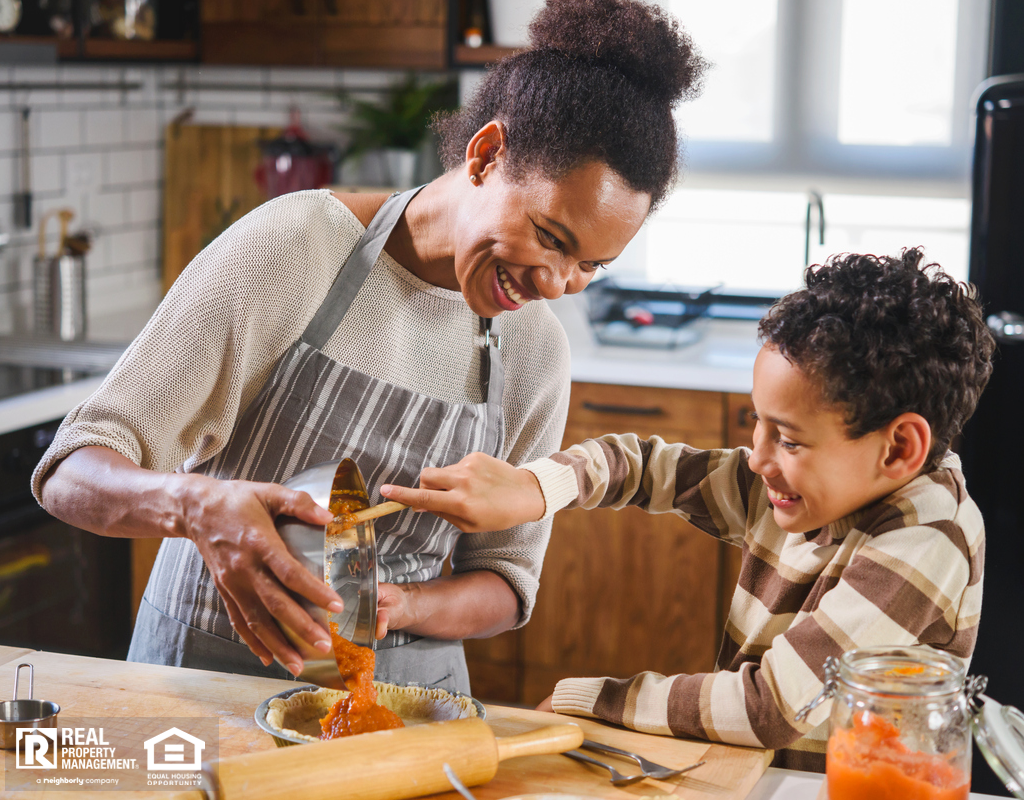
37, 748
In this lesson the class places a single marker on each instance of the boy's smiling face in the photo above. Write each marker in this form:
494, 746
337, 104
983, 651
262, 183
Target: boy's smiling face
815, 473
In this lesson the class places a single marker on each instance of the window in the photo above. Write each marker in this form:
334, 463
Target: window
868, 101
877, 88
754, 241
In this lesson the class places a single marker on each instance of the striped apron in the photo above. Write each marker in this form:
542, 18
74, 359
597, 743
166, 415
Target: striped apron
313, 409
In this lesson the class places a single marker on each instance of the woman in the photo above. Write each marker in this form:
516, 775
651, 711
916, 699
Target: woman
293, 339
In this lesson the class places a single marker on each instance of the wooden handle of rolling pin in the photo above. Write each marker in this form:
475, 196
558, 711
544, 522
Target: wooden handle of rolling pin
387, 765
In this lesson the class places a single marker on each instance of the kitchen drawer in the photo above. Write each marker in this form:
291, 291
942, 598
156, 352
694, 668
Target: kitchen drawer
642, 409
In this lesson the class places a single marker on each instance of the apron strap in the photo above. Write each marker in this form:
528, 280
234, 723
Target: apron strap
351, 277
342, 292
493, 378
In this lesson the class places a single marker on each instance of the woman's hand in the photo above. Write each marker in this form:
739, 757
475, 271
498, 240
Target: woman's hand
467, 605
230, 522
480, 493
232, 525
545, 704
392, 608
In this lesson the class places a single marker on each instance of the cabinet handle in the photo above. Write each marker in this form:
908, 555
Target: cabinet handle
643, 411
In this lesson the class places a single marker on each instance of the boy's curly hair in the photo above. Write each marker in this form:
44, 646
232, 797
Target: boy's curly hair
883, 336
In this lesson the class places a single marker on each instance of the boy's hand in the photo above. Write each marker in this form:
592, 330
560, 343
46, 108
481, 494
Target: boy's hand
480, 493
545, 704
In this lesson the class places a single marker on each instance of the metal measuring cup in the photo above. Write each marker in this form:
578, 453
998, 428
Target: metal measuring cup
28, 713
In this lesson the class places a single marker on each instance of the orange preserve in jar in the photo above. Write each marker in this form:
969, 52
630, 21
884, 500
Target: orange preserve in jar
900, 726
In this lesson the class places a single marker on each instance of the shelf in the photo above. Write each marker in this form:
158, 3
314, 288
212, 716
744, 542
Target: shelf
140, 49
108, 49
465, 56
64, 48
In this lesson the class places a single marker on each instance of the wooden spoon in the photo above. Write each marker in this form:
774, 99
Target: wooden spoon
354, 518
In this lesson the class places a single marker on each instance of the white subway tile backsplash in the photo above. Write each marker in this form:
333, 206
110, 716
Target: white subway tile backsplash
144, 206
108, 209
327, 78
227, 99
133, 167
10, 130
259, 117
212, 116
7, 166
47, 172
128, 248
104, 126
57, 129
142, 126
100, 152
35, 76
83, 172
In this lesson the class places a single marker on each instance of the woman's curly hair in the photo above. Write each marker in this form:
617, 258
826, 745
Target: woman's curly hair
599, 83
883, 336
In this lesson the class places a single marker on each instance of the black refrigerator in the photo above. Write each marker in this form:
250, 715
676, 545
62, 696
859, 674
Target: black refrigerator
992, 448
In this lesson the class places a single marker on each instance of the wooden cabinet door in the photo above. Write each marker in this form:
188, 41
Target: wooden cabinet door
340, 33
384, 33
261, 32
739, 432
625, 591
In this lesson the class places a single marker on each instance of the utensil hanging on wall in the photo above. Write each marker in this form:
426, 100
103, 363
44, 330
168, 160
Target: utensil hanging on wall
23, 200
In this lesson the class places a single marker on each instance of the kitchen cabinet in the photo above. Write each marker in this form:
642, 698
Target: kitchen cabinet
340, 33
623, 591
85, 36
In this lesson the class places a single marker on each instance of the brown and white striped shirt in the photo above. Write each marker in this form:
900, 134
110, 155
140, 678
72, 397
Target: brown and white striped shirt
905, 570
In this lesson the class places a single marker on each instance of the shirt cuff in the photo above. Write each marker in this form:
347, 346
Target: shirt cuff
577, 696
557, 484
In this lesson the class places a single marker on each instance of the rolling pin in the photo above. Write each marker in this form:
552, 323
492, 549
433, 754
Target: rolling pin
386, 765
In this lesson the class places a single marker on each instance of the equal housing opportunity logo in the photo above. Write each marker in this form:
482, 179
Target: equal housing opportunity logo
150, 753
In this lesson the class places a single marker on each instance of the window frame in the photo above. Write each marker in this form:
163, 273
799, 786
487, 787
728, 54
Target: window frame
805, 111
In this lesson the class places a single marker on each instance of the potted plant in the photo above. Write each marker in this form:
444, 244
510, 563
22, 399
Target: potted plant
396, 124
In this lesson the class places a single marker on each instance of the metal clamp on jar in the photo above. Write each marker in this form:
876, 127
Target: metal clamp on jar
901, 725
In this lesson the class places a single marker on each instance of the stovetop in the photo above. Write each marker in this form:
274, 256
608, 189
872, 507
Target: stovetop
639, 314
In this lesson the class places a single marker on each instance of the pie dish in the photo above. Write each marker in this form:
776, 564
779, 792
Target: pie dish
293, 716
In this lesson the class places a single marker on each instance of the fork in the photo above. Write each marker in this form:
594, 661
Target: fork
650, 769
617, 779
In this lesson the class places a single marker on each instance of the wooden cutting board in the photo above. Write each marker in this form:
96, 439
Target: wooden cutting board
208, 184
91, 687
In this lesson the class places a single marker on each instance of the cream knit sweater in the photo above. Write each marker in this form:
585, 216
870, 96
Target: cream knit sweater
172, 400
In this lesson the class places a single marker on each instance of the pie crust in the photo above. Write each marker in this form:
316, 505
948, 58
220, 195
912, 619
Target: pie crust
299, 715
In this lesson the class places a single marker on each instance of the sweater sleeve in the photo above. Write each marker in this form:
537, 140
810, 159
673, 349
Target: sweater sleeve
173, 397
708, 488
903, 585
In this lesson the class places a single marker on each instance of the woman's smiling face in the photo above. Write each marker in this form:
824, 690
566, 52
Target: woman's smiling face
534, 238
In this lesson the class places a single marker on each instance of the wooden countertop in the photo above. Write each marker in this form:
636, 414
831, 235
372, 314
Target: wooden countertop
92, 687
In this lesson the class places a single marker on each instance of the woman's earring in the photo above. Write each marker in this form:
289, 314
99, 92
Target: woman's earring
474, 179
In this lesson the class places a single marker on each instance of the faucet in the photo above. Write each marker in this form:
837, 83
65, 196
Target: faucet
814, 200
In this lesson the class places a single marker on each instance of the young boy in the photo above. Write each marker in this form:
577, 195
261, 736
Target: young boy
853, 516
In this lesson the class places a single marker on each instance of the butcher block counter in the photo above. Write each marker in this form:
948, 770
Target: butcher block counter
97, 688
